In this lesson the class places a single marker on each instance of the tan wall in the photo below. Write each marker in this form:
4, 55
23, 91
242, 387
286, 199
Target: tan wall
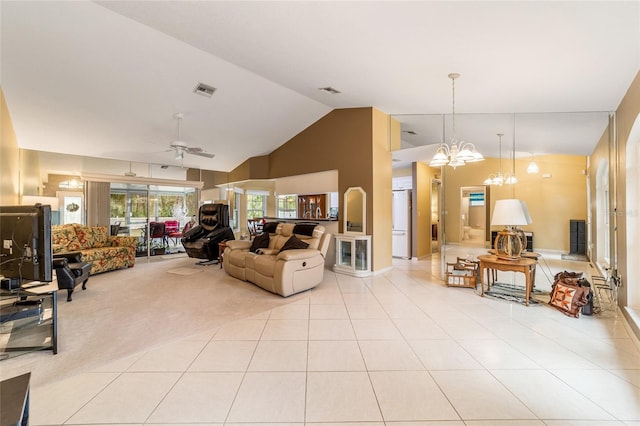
422, 177
253, 168
209, 177
402, 172
30, 176
351, 141
9, 158
626, 116
395, 139
627, 113
599, 154
552, 202
381, 195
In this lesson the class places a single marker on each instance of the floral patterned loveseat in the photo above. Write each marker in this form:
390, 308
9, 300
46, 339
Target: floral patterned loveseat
105, 252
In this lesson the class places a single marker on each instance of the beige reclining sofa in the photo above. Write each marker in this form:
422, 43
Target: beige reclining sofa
276, 267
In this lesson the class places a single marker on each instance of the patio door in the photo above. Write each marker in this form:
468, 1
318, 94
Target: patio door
134, 207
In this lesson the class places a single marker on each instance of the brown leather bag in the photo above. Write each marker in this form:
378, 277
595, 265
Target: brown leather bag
567, 295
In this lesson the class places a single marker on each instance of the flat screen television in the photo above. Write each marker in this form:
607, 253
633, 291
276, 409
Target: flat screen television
25, 243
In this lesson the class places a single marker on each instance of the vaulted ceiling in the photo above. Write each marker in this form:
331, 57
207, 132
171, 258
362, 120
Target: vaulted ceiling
105, 79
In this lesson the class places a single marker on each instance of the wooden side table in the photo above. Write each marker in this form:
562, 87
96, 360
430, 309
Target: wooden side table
492, 263
221, 246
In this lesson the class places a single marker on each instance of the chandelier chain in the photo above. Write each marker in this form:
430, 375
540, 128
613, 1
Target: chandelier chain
453, 106
500, 153
457, 153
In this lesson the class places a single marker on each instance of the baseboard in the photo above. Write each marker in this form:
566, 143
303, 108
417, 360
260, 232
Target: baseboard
382, 271
632, 323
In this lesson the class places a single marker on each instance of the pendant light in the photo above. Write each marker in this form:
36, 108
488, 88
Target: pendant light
497, 179
510, 178
457, 153
533, 167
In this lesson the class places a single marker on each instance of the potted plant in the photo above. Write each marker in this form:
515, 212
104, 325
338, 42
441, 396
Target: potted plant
141, 248
157, 248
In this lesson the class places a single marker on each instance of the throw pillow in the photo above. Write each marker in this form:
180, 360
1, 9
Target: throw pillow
270, 227
304, 229
260, 241
294, 243
64, 236
568, 298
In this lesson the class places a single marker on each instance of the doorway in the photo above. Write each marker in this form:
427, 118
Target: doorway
71, 207
473, 215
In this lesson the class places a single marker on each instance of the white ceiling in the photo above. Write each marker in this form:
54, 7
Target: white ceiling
105, 79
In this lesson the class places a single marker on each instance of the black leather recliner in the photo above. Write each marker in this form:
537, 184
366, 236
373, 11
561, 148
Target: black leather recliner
202, 240
71, 271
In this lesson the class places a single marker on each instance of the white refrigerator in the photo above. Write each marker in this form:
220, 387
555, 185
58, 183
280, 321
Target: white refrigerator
401, 216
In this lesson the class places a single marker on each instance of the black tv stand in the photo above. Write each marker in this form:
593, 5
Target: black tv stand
28, 319
20, 309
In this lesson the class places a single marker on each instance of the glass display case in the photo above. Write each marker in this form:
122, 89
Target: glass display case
353, 254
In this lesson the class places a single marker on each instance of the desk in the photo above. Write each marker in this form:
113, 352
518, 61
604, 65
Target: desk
525, 265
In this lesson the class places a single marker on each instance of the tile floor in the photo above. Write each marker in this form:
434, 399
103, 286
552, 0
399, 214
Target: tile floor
397, 348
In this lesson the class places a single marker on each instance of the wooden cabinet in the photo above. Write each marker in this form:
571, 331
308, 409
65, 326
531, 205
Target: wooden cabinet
313, 206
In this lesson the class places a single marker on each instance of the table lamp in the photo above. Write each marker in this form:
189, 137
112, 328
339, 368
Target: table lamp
511, 213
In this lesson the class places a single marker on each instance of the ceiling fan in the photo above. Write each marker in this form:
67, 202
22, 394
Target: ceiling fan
181, 147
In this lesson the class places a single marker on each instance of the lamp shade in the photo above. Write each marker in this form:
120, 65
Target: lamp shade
510, 212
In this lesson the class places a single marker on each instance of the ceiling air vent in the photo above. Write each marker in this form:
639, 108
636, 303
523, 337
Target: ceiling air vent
204, 90
329, 90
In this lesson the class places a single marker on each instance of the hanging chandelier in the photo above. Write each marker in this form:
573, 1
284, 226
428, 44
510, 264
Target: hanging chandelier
457, 153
